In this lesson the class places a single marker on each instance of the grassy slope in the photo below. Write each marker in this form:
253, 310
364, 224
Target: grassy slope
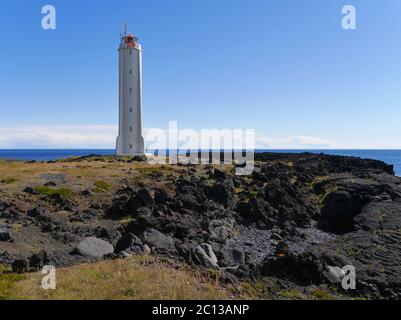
140, 277
146, 278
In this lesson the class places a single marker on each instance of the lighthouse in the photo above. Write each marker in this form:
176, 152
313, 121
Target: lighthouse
130, 140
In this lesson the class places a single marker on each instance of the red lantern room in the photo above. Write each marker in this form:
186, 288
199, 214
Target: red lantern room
130, 40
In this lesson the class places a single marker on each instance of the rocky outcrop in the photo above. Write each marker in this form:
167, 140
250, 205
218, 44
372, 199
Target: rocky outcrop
299, 218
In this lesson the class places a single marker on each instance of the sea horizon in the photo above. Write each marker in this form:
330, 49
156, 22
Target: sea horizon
390, 156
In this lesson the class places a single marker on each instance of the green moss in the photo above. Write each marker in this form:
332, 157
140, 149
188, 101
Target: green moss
214, 274
321, 294
293, 294
3, 268
137, 179
48, 191
256, 290
253, 194
8, 180
102, 186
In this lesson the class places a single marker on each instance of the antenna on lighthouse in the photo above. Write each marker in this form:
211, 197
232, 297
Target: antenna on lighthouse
124, 31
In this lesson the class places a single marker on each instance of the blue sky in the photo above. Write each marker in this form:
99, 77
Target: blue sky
285, 68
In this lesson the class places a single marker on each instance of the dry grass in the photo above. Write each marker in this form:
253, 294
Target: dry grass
136, 278
100, 174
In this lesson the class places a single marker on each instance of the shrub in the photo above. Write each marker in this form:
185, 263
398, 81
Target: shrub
8, 180
48, 191
102, 186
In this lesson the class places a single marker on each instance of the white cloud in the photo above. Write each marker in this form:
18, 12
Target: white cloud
104, 137
68, 137
293, 142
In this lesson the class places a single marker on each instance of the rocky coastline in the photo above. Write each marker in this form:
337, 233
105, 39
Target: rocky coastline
293, 220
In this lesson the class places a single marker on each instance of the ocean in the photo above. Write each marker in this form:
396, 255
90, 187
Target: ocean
389, 156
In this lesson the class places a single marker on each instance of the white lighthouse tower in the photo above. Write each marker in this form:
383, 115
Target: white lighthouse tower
130, 140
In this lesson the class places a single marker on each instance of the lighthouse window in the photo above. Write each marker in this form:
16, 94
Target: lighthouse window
130, 146
130, 129
130, 90
130, 71
130, 52
130, 109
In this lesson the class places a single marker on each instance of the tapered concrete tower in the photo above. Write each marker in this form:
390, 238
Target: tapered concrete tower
130, 140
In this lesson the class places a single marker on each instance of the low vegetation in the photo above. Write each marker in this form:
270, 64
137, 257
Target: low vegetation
8, 180
102, 186
140, 277
49, 191
321, 294
7, 280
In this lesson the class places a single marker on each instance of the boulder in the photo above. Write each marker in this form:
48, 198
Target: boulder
146, 249
145, 197
222, 230
6, 258
161, 196
86, 193
107, 233
121, 206
20, 266
335, 274
128, 241
188, 201
93, 247
339, 210
62, 203
29, 190
38, 260
219, 174
222, 194
5, 234
9, 214
232, 257
158, 240
204, 255
187, 226
35, 212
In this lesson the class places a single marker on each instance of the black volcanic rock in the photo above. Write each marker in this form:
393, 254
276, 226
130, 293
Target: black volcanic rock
5, 234
294, 219
35, 212
154, 238
145, 197
127, 241
222, 193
